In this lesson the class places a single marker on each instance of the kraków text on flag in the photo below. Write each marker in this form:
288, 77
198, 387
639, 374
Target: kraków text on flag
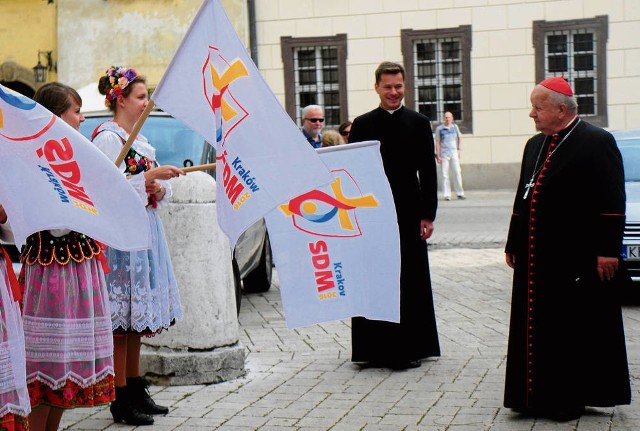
262, 158
337, 247
52, 177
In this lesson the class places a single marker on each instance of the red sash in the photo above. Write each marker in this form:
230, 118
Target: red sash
16, 291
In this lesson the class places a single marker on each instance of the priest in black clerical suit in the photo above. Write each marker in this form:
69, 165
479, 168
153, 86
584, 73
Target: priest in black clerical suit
408, 157
566, 345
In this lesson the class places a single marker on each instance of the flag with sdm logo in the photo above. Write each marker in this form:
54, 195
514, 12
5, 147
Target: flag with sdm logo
52, 177
337, 247
262, 158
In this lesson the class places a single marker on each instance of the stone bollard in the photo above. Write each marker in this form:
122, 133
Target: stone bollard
203, 347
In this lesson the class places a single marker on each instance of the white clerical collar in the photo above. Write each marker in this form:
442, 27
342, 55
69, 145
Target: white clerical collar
391, 111
569, 123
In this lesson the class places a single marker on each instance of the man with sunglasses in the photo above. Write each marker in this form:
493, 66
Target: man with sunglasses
312, 123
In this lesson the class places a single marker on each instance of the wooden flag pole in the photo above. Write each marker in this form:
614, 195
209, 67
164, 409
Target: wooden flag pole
134, 132
199, 167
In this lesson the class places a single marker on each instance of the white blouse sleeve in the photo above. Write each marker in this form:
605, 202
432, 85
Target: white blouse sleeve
138, 184
6, 234
168, 192
111, 145
59, 232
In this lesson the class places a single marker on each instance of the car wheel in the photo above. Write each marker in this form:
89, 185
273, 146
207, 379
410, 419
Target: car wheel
259, 280
237, 283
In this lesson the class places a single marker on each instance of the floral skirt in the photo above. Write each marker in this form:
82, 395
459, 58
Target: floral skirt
73, 395
11, 422
68, 338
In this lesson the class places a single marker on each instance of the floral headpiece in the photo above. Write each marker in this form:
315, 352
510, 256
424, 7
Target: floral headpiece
119, 78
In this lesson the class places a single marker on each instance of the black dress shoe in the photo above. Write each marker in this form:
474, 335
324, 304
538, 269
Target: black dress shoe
565, 414
559, 414
405, 365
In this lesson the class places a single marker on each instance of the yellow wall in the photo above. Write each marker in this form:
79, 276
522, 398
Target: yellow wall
86, 36
21, 38
144, 34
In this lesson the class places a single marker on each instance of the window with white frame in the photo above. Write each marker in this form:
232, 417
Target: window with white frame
438, 73
576, 50
315, 74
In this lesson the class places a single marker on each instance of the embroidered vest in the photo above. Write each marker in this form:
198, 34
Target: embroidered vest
43, 248
134, 163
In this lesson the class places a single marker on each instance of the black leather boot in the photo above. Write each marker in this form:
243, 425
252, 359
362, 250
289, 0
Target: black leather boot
123, 410
142, 401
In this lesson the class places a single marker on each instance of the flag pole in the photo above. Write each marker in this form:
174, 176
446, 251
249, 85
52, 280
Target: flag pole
134, 132
199, 167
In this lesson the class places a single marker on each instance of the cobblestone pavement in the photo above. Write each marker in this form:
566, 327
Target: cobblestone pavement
303, 380
481, 221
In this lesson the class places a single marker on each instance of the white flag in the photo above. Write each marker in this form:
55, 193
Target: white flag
52, 177
214, 88
337, 248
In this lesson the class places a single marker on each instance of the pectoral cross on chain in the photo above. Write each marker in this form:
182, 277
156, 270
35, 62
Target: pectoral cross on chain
527, 187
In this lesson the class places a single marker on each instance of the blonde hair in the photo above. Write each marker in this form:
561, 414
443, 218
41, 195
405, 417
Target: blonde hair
331, 138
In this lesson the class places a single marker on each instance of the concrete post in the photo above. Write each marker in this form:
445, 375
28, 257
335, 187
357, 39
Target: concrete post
203, 347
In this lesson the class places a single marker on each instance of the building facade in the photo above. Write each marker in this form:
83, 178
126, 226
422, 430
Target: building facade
476, 58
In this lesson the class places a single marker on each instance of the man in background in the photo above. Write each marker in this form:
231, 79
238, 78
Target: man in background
448, 143
312, 123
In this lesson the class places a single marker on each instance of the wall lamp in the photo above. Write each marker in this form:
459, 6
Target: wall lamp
39, 70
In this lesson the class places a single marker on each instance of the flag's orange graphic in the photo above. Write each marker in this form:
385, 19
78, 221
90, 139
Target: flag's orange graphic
236, 70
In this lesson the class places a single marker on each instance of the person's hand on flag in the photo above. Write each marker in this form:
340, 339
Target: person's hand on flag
165, 172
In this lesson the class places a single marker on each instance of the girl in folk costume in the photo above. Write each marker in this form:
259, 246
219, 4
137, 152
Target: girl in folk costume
69, 349
142, 288
14, 398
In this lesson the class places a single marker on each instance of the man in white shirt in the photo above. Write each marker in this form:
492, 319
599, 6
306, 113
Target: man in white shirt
448, 143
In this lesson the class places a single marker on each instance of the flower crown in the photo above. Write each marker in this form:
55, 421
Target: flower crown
119, 78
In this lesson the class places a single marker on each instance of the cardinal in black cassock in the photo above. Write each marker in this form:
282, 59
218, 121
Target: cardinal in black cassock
566, 345
407, 151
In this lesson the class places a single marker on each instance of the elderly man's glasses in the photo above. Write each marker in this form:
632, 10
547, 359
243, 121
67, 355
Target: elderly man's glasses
315, 120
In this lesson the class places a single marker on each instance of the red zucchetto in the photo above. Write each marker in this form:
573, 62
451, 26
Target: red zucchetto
558, 84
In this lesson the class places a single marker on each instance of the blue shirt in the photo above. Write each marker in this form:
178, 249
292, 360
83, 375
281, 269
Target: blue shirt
448, 137
314, 144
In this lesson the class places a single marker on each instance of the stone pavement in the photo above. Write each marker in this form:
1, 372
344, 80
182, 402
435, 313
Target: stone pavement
303, 380
481, 221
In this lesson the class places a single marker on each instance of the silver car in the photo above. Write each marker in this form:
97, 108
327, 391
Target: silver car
629, 145
180, 146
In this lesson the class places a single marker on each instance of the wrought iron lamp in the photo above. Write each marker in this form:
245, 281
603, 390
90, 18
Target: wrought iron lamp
39, 70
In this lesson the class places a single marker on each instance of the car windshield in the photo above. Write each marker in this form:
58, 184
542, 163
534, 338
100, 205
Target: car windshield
174, 142
630, 149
